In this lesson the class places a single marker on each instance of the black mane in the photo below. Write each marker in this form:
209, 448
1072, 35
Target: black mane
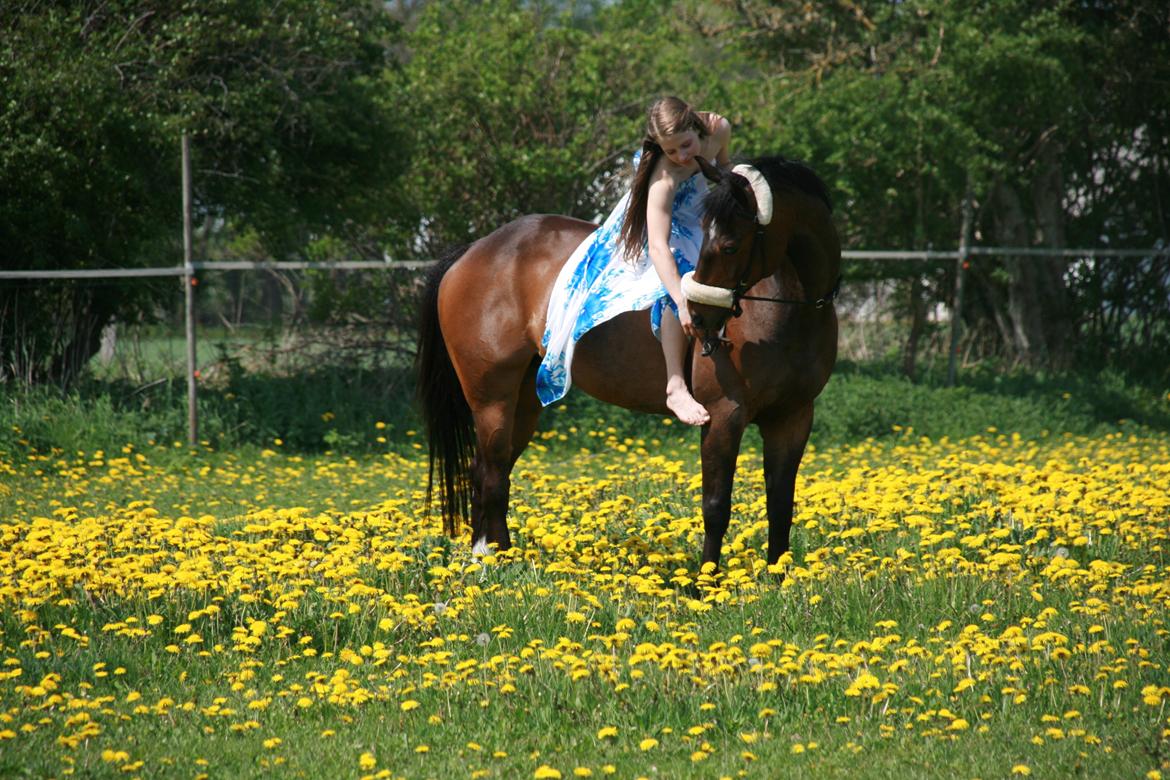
782, 174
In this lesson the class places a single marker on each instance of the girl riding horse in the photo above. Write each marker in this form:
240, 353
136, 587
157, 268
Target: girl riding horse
763, 246
657, 225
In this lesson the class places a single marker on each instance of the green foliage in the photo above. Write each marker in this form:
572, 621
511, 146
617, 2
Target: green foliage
289, 135
329, 129
906, 108
516, 108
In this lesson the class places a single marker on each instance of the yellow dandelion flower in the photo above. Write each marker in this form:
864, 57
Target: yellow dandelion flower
367, 761
648, 744
546, 772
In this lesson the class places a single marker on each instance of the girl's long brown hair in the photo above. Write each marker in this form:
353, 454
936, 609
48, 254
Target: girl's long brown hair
668, 116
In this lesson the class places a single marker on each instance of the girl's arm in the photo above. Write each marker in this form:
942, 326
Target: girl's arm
721, 135
658, 208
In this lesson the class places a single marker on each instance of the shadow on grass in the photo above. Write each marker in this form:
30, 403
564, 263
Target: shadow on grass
1027, 403
362, 410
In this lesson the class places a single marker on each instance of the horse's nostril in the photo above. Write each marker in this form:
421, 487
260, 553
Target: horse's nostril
697, 320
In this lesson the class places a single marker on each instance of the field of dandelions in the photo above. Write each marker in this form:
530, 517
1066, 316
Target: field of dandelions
991, 606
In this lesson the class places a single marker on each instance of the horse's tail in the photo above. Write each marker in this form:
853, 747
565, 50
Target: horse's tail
450, 427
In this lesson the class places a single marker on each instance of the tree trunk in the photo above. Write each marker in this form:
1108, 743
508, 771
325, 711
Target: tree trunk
81, 334
1024, 299
917, 305
1056, 308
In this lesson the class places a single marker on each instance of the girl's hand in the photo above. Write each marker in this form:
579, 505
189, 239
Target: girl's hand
684, 319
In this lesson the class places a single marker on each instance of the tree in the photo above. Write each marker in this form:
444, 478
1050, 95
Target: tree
290, 137
518, 108
907, 107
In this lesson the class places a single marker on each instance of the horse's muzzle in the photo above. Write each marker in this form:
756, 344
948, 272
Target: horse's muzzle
711, 324
712, 340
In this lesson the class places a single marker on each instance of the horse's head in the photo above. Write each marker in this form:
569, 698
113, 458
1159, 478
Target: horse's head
738, 208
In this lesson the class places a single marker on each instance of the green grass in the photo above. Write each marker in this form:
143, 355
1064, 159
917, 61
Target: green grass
592, 473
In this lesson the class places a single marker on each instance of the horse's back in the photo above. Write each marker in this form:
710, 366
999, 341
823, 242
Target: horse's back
494, 300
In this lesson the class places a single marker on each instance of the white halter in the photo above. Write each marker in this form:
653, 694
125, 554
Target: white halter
721, 296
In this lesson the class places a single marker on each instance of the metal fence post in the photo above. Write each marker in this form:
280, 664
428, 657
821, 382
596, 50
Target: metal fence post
189, 297
960, 267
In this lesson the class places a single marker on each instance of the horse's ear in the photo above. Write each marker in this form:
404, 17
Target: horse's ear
713, 173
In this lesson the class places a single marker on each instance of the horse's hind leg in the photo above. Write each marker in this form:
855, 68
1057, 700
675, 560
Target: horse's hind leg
785, 436
491, 475
503, 427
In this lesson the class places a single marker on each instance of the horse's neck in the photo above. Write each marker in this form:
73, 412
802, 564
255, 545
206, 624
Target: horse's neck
808, 267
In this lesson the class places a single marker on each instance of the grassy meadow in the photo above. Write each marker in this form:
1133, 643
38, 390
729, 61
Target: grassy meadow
979, 587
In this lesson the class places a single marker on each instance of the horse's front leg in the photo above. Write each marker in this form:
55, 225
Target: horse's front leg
721, 438
785, 435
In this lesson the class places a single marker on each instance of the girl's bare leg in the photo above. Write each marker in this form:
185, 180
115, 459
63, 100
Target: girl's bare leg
678, 398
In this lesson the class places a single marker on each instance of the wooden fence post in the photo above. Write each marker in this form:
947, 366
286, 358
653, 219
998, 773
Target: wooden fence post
189, 297
960, 267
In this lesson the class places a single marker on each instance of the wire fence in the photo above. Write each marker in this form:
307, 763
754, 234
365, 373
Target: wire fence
285, 315
930, 255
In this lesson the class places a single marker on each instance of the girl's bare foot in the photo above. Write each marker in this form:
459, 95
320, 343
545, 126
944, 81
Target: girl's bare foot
680, 401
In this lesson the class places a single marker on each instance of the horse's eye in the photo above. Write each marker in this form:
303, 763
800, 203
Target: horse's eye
730, 249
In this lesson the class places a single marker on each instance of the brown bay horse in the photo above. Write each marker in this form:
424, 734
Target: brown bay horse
767, 282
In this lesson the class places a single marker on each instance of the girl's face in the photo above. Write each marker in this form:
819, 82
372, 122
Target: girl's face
681, 148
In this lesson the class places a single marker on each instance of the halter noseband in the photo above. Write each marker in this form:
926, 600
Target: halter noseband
725, 298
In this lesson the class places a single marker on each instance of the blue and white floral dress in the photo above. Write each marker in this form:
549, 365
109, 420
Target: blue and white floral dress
598, 283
